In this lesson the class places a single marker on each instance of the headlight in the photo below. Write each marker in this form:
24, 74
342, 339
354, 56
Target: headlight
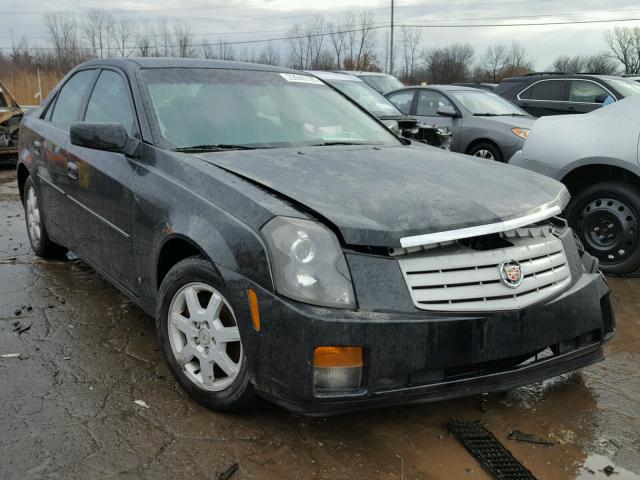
521, 132
308, 262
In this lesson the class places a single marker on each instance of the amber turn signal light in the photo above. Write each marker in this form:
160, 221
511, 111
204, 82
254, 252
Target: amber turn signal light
336, 357
255, 311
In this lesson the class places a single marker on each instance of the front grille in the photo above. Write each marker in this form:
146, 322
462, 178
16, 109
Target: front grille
458, 277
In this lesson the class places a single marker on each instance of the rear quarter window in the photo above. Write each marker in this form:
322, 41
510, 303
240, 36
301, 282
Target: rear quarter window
552, 90
70, 100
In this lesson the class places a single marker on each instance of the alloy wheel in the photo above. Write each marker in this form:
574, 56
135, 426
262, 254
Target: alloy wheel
204, 336
32, 213
483, 153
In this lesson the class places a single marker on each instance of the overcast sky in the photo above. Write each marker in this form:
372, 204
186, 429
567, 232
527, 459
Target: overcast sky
237, 20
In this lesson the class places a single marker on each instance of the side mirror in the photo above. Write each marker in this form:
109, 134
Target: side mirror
110, 137
447, 111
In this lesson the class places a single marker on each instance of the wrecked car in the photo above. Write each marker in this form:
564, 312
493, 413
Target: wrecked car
596, 156
10, 117
289, 246
374, 102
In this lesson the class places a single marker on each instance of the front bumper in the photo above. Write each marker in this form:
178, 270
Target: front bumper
419, 356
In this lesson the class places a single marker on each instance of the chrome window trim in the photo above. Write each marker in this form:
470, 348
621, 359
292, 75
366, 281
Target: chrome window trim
565, 101
543, 212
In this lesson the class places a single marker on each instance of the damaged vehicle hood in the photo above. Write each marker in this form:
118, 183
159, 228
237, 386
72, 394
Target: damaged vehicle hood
377, 195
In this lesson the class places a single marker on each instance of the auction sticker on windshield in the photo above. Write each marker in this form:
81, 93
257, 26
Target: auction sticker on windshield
293, 77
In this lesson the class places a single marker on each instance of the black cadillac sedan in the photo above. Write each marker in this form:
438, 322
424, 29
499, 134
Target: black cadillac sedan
290, 246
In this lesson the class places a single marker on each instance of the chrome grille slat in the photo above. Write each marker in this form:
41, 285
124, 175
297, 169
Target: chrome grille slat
458, 278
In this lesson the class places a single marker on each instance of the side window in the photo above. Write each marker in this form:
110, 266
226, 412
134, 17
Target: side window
554, 90
109, 102
69, 102
587, 92
402, 100
429, 102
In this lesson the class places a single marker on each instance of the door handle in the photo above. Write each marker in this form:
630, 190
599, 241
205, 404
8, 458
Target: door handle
37, 147
72, 170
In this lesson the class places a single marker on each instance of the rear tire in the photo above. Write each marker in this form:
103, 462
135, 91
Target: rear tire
606, 218
199, 337
41, 244
486, 150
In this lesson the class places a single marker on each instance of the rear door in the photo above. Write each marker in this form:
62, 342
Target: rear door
54, 148
546, 97
102, 184
586, 95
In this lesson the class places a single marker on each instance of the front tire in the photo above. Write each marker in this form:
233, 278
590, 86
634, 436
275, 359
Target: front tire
606, 218
486, 150
199, 337
41, 244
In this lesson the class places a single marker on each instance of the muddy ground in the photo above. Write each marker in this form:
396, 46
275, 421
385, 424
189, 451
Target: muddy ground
68, 411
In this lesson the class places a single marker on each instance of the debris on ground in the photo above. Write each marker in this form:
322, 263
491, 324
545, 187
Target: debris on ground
141, 403
10, 355
17, 312
609, 470
19, 328
229, 472
614, 443
490, 453
519, 436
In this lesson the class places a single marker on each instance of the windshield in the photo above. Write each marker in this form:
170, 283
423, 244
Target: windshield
208, 108
625, 87
480, 102
382, 83
366, 96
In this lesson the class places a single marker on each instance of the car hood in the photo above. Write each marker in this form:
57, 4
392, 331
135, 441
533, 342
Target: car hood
522, 122
375, 196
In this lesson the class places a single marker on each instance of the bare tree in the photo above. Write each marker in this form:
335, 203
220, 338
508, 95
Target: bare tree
62, 29
624, 46
601, 64
122, 32
184, 39
164, 37
493, 63
448, 64
567, 63
409, 41
361, 42
145, 41
269, 55
96, 27
307, 43
338, 38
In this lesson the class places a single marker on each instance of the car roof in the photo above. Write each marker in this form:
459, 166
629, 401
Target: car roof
444, 88
557, 76
324, 75
161, 62
360, 72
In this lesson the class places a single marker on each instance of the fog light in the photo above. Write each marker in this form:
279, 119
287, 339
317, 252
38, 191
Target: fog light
337, 370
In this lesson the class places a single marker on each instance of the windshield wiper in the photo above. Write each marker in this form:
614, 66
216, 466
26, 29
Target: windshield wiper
213, 148
485, 115
339, 142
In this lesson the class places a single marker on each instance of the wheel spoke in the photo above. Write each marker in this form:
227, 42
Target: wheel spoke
226, 334
227, 365
206, 371
193, 303
213, 307
183, 324
188, 353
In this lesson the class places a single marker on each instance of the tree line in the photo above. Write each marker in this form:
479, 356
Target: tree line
355, 43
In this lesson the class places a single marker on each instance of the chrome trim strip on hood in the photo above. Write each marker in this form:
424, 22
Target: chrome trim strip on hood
543, 212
